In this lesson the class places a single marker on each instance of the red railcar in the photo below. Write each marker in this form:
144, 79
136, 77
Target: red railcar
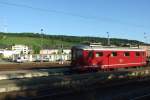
88, 57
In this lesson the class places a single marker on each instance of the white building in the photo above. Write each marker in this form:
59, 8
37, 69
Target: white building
56, 54
67, 51
7, 53
21, 49
54, 51
48, 51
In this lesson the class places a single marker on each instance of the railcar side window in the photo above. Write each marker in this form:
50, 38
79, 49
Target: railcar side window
114, 54
126, 54
99, 54
137, 53
90, 55
79, 54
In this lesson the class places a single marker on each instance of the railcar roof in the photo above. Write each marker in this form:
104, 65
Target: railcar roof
85, 47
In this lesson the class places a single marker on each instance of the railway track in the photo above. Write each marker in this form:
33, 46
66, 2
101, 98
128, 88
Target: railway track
30, 66
65, 70
143, 97
93, 80
128, 90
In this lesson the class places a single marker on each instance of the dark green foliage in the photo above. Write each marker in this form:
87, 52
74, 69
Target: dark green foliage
36, 49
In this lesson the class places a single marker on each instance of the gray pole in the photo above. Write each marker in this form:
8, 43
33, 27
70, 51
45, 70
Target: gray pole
62, 51
145, 37
42, 39
41, 44
108, 39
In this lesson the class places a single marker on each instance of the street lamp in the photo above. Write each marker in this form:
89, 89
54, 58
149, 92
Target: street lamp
62, 50
41, 44
42, 39
145, 37
108, 39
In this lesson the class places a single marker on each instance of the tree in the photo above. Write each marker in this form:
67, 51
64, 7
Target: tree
1, 55
36, 49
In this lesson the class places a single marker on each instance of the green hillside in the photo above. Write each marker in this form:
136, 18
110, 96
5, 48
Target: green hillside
32, 41
37, 41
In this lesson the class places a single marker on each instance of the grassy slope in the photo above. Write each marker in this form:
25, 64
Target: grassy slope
34, 40
31, 41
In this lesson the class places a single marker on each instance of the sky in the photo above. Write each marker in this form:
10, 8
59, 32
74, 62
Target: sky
128, 19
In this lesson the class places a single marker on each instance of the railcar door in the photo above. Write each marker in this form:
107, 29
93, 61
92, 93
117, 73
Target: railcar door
143, 58
99, 58
73, 57
90, 58
77, 57
140, 59
113, 59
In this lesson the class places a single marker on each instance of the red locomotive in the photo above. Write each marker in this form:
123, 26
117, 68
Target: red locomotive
102, 58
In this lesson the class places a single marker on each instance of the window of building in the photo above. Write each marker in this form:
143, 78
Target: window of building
114, 54
137, 53
99, 54
126, 54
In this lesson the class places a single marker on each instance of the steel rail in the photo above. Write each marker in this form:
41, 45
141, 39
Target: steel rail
50, 92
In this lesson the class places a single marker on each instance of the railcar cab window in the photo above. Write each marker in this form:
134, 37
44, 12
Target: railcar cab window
79, 54
99, 54
137, 54
113, 54
127, 54
73, 55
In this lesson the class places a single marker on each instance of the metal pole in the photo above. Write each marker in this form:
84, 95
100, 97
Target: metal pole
41, 44
145, 37
108, 39
62, 51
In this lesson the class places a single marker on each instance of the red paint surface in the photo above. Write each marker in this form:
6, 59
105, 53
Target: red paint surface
107, 61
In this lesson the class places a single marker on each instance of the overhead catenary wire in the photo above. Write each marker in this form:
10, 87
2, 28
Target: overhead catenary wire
97, 18
42, 9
